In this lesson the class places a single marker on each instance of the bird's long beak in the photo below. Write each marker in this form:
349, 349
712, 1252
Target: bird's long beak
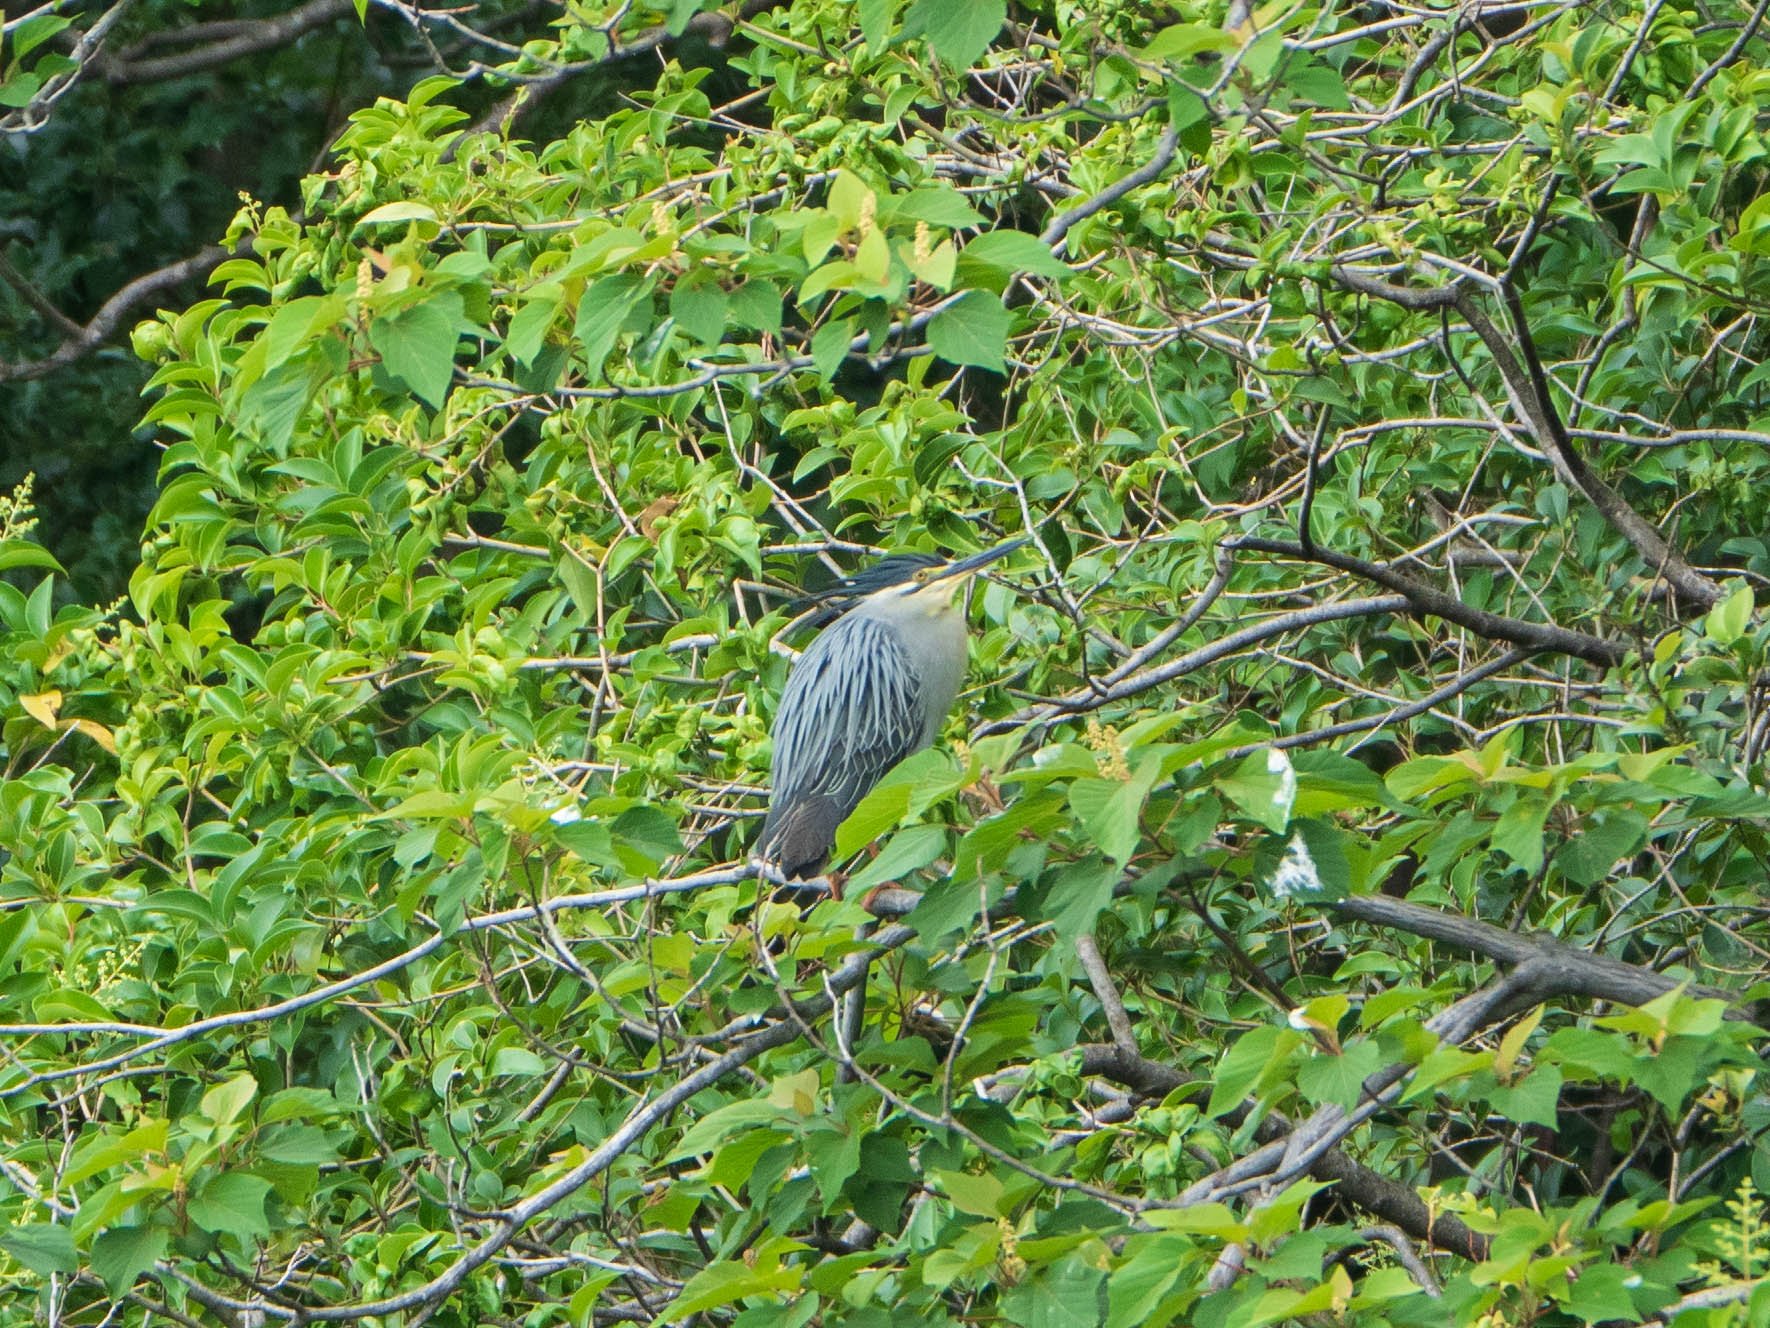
967, 567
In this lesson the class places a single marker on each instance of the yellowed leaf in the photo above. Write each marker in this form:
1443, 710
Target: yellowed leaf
97, 732
43, 707
1513, 1043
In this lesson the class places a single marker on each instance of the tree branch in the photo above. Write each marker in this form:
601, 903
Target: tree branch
1061, 224
35, 114
1423, 600
711, 25
1528, 386
1455, 687
112, 312
1561, 970
245, 39
1100, 978
1528, 390
1085, 699
638, 1123
1358, 1184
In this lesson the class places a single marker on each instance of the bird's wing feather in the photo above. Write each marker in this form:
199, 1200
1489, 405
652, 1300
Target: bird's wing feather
849, 713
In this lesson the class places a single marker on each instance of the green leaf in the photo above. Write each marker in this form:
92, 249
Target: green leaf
274, 404
18, 89
681, 11
950, 904
1183, 41
1282, 1215
1532, 1100
1264, 786
589, 840
234, 1202
727, 1282
530, 324
402, 211
1600, 1293
875, 23
603, 312
42, 1247
756, 304
907, 851
879, 811
1258, 1057
1519, 831
978, 1195
972, 330
417, 345
1313, 869
936, 204
291, 326
1441, 1066
1108, 810
717, 1126
1593, 1053
1331, 781
829, 346
699, 310
1728, 620
1003, 253
224, 1102
959, 33
518, 1061
1152, 1268
1327, 1078
1077, 896
23, 553
1588, 857
650, 832
1677, 1068
1065, 1295
34, 31
1318, 82
121, 1255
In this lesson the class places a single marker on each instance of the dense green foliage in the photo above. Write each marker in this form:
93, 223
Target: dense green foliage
135, 167
1382, 390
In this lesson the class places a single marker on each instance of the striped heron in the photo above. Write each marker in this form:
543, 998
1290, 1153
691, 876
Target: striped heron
872, 689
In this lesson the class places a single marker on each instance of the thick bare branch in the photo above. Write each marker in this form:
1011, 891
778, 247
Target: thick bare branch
243, 39
1100, 978
1427, 601
113, 311
1358, 1184
1562, 969
1528, 390
1085, 699
1064, 222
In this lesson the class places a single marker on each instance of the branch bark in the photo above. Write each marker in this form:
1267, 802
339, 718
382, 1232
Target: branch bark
1527, 388
1358, 1184
1558, 969
112, 311
1064, 222
246, 39
1085, 699
1423, 600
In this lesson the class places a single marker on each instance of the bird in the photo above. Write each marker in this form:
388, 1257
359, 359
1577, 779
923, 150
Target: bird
872, 689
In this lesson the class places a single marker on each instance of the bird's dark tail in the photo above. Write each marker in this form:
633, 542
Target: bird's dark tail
799, 833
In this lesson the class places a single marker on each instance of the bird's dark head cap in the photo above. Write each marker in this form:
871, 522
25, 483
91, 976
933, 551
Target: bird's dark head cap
891, 570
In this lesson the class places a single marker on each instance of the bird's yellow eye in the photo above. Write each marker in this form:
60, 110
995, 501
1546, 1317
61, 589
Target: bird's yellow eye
922, 577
